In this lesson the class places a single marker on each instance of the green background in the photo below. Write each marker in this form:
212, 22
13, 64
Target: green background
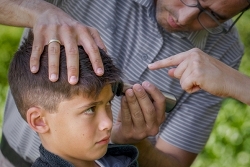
229, 143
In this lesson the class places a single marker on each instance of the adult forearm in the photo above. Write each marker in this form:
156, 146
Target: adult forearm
150, 156
22, 13
239, 87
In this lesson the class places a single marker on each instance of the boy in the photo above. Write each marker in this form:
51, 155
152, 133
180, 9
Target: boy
74, 122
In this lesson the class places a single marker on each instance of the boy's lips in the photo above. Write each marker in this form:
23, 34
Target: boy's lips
104, 140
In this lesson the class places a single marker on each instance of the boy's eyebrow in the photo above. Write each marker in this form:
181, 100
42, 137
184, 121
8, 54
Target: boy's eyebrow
95, 103
89, 105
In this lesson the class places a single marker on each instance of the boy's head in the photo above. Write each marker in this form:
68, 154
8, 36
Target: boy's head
73, 121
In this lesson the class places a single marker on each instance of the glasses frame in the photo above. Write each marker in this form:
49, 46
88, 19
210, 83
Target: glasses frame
223, 29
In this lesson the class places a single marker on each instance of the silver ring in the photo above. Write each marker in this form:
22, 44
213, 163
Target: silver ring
54, 40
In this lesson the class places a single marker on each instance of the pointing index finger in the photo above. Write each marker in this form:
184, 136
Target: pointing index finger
170, 61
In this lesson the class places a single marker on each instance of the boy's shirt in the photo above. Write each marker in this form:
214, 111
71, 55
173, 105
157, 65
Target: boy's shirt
116, 156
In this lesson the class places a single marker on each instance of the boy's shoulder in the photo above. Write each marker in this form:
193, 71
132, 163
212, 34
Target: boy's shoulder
48, 159
116, 156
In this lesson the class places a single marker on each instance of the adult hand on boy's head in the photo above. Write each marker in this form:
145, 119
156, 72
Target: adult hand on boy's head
53, 24
140, 115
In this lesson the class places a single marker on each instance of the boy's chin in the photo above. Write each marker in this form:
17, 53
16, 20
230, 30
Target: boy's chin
101, 152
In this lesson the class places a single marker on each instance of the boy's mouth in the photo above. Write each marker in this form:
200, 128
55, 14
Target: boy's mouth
105, 140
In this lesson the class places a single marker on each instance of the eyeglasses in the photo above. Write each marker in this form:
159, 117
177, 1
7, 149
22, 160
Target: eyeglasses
207, 18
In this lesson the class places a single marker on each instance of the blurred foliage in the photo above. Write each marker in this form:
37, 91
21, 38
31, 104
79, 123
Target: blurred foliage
229, 143
9, 40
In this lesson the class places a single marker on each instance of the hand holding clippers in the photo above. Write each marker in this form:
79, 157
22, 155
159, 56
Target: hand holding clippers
120, 87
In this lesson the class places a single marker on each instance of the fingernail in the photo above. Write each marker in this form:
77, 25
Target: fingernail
53, 77
138, 89
99, 71
73, 80
130, 93
146, 83
150, 65
33, 69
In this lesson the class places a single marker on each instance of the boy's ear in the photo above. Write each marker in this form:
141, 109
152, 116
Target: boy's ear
36, 120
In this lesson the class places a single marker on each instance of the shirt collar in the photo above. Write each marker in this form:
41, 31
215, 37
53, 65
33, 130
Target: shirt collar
197, 38
145, 3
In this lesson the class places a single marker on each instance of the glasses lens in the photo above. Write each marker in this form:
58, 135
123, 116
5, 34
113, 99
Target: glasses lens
210, 23
190, 2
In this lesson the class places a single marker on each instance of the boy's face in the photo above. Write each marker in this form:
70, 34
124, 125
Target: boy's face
175, 16
80, 129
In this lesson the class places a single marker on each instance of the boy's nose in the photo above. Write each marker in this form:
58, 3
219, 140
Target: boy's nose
106, 121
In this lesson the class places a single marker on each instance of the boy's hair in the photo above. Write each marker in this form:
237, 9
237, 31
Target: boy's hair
30, 89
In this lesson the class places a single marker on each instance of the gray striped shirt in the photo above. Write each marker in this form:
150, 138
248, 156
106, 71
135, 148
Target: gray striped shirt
134, 39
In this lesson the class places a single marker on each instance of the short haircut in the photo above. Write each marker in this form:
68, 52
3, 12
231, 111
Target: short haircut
30, 89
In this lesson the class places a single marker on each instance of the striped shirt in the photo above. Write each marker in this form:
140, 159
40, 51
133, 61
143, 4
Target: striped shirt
134, 39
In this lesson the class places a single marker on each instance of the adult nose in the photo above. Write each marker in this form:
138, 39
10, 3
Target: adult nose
188, 15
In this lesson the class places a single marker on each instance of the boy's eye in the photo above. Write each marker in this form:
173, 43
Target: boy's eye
89, 111
109, 103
